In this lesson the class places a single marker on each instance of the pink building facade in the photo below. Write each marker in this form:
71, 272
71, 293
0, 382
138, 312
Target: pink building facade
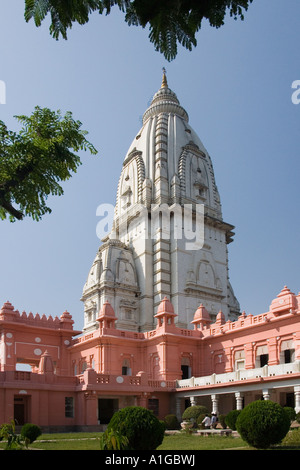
78, 380
162, 325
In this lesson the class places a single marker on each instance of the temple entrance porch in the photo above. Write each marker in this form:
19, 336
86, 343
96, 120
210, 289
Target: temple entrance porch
225, 399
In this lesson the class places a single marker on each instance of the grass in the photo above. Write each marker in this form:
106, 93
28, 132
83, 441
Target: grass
90, 441
194, 442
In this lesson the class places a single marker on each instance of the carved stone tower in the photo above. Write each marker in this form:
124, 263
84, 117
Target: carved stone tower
168, 236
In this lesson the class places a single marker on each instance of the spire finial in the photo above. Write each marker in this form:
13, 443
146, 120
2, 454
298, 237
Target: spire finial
164, 83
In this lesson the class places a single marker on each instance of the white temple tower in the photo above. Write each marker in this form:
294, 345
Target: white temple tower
168, 237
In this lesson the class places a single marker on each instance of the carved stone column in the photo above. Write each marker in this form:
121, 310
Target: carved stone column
215, 403
239, 400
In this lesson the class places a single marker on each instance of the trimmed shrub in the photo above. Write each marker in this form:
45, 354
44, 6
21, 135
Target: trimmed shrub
200, 419
221, 419
298, 417
192, 412
230, 419
140, 426
171, 422
31, 432
292, 438
291, 412
263, 423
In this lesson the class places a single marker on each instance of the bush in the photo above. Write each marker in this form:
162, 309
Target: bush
171, 422
292, 438
230, 419
7, 432
263, 423
30, 432
113, 440
139, 425
221, 419
193, 412
291, 412
200, 419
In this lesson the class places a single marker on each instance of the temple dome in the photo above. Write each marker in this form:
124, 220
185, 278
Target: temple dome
107, 310
165, 307
165, 101
201, 314
220, 319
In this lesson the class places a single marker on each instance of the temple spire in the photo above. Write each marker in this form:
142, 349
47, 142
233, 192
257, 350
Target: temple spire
164, 83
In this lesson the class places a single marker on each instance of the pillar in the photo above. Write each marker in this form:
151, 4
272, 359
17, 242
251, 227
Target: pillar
193, 401
91, 403
239, 400
215, 403
143, 399
178, 408
266, 394
297, 398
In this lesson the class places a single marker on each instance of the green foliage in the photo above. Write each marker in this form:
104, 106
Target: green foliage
298, 417
263, 423
171, 422
199, 420
192, 412
30, 432
291, 412
139, 425
170, 22
34, 161
113, 440
222, 421
7, 433
292, 438
230, 419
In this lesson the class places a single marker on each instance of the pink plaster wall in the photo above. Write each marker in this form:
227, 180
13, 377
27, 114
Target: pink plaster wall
154, 358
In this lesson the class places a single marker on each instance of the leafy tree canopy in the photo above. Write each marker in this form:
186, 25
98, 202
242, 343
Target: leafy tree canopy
34, 161
170, 21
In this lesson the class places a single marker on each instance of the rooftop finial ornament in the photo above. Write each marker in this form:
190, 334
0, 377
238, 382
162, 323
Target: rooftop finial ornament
164, 79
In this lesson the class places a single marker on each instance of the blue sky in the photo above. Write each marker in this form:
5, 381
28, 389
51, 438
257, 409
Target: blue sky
236, 88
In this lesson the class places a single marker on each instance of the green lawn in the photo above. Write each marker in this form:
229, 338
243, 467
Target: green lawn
90, 441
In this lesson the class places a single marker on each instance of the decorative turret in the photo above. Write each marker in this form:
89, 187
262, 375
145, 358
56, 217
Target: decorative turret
165, 313
66, 320
46, 364
7, 312
201, 318
107, 316
220, 319
285, 302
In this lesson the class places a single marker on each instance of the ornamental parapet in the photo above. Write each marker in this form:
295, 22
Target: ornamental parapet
244, 374
9, 314
23, 379
124, 382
